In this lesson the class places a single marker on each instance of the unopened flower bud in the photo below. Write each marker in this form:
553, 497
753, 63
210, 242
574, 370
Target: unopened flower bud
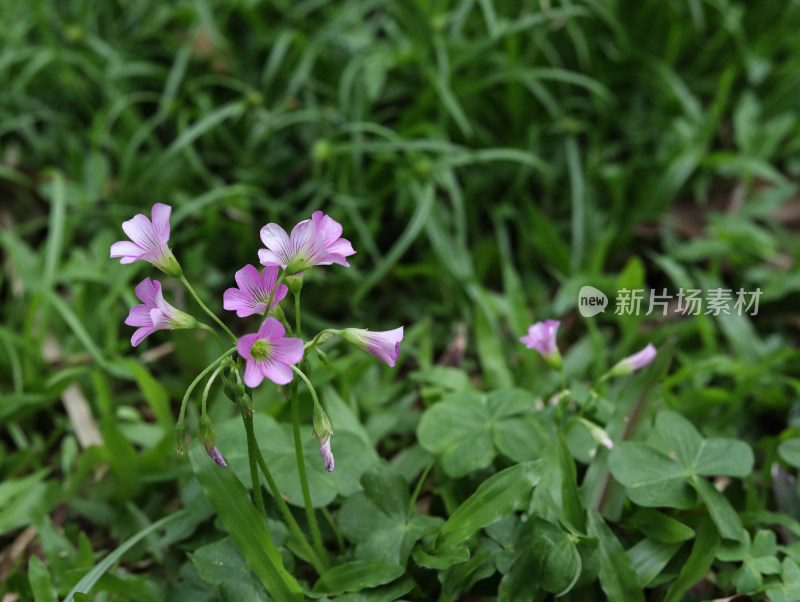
323, 431
206, 432
323, 357
214, 454
295, 283
634, 362
180, 435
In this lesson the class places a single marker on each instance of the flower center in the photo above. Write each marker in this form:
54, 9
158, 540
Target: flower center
260, 350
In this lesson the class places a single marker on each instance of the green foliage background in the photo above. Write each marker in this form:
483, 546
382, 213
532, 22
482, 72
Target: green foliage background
486, 158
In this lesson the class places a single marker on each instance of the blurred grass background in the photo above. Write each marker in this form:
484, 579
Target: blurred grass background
487, 158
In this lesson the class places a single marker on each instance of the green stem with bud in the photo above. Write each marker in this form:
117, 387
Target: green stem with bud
200, 377
294, 528
301, 464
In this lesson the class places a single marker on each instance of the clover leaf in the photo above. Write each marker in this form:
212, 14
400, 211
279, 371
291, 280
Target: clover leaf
467, 429
667, 470
377, 519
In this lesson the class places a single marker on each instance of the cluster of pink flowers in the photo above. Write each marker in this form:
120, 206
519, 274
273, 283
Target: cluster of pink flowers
542, 338
268, 353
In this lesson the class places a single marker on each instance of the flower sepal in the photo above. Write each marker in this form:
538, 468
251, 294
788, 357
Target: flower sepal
169, 265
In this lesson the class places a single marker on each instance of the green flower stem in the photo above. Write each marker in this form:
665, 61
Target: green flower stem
417, 490
297, 313
329, 519
205, 309
207, 388
252, 453
301, 464
294, 528
200, 377
212, 331
315, 341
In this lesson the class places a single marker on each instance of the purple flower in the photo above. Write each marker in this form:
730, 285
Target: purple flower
216, 456
269, 354
315, 241
327, 454
148, 241
542, 337
633, 362
154, 313
384, 345
254, 290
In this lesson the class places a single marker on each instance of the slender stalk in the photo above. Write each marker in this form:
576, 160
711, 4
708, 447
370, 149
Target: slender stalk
214, 332
315, 341
329, 519
205, 309
252, 453
207, 388
297, 312
417, 490
294, 528
301, 466
200, 377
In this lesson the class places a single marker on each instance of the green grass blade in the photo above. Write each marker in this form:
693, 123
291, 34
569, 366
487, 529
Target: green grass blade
89, 579
247, 527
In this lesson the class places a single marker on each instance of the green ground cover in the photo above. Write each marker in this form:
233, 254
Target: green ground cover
486, 159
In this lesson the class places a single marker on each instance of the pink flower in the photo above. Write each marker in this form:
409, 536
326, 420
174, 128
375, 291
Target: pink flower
542, 337
640, 359
384, 345
327, 454
154, 313
313, 242
148, 241
254, 290
268, 354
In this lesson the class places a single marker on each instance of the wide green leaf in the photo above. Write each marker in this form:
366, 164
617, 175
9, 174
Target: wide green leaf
698, 563
356, 576
467, 429
501, 494
353, 457
246, 525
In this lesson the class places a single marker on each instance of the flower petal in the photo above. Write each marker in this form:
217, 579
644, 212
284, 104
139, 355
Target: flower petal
126, 248
276, 240
160, 214
148, 291
288, 350
249, 281
141, 231
271, 329
253, 374
244, 344
270, 258
140, 334
139, 316
277, 371
327, 227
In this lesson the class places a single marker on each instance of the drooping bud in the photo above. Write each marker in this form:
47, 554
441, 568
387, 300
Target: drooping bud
208, 437
180, 435
323, 431
323, 357
206, 432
